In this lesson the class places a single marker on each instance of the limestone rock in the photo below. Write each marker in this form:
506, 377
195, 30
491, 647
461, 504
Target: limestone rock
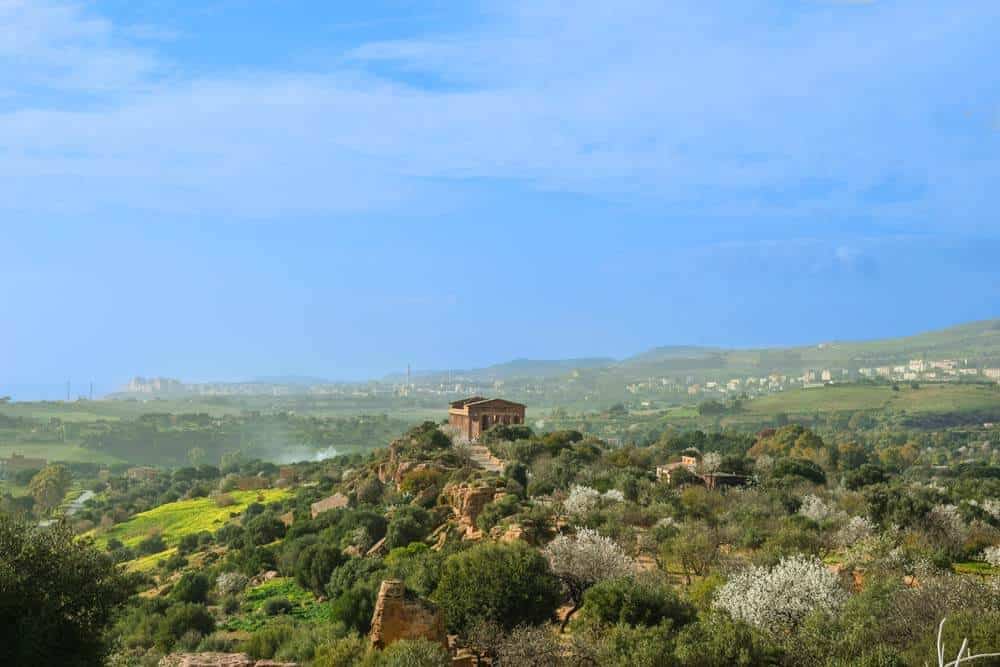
467, 502
401, 615
513, 533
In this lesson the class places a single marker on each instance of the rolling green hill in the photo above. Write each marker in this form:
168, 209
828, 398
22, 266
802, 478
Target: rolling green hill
978, 342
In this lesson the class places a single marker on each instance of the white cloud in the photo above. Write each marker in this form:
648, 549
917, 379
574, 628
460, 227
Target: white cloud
51, 46
698, 111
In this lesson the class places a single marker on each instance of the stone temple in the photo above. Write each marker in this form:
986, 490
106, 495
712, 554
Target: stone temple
473, 416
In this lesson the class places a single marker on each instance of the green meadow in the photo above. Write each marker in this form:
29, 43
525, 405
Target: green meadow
927, 398
56, 452
184, 517
305, 606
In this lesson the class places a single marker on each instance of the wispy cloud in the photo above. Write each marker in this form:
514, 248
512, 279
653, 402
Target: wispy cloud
740, 112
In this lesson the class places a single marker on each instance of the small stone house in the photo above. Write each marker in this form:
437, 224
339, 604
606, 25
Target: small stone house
335, 502
689, 463
141, 473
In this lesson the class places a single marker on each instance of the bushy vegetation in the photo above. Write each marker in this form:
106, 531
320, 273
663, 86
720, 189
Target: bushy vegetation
820, 546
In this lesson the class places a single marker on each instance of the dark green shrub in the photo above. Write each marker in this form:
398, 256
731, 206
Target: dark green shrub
153, 544
315, 564
182, 618
192, 587
409, 524
626, 600
276, 605
507, 584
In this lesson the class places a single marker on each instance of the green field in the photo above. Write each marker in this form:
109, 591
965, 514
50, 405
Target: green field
929, 398
147, 563
56, 451
305, 606
90, 411
7, 486
175, 520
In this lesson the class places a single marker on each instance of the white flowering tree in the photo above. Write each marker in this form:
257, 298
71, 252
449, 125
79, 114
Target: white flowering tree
583, 560
711, 461
857, 529
814, 508
945, 524
231, 583
992, 507
614, 496
581, 500
992, 556
775, 600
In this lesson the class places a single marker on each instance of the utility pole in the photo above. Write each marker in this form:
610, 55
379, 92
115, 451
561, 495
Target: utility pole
67, 390
91, 390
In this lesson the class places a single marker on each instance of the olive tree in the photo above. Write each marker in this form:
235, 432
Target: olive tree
509, 584
58, 595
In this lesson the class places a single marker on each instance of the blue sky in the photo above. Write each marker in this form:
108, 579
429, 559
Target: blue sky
227, 189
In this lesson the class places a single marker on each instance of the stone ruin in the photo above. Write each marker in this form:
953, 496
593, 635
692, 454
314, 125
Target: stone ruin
401, 615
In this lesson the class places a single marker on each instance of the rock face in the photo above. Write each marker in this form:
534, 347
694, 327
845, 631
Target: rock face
399, 615
218, 660
513, 533
467, 502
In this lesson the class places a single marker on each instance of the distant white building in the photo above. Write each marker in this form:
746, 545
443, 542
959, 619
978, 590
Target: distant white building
992, 373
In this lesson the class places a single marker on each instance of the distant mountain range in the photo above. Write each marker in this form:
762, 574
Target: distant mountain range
973, 344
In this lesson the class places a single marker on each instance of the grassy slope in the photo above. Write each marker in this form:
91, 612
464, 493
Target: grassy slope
853, 397
175, 520
305, 606
975, 340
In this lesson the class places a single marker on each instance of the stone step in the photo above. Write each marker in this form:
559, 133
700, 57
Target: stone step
482, 457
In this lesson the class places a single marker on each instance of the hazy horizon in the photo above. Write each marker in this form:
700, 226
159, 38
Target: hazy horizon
58, 390
219, 193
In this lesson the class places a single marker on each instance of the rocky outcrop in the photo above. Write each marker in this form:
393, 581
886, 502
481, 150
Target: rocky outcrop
263, 577
218, 660
467, 502
377, 549
514, 532
402, 615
